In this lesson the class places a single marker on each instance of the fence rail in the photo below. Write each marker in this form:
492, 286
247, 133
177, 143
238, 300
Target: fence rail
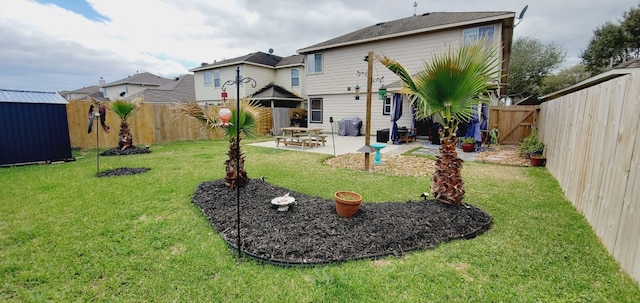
593, 150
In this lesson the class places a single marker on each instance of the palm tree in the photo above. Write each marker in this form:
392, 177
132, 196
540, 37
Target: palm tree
451, 87
249, 117
124, 109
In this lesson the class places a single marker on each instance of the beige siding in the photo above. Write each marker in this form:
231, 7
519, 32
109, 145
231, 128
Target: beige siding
593, 150
344, 68
283, 78
263, 76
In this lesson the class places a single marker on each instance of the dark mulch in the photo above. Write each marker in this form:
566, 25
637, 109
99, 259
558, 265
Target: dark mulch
311, 232
122, 171
131, 150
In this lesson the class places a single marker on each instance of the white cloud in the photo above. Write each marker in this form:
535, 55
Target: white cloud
50, 48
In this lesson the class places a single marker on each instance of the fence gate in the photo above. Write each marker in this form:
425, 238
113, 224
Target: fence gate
513, 122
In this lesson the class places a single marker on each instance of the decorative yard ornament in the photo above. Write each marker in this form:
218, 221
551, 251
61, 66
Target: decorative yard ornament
225, 115
382, 92
224, 95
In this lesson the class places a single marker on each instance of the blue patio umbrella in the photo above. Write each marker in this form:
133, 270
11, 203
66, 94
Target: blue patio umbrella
474, 127
396, 113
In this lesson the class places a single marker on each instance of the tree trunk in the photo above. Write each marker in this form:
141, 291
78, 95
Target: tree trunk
232, 178
447, 185
125, 138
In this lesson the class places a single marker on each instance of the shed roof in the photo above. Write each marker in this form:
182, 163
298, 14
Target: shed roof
408, 26
20, 96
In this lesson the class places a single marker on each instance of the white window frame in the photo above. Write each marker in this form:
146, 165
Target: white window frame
314, 63
386, 106
471, 35
207, 77
295, 77
216, 78
313, 113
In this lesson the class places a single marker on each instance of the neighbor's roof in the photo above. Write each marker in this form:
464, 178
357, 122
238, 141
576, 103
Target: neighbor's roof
275, 92
408, 26
180, 89
257, 58
21, 96
141, 79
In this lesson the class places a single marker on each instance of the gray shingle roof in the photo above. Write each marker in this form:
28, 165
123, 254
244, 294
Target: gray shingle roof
254, 58
408, 26
180, 89
141, 79
291, 60
20, 96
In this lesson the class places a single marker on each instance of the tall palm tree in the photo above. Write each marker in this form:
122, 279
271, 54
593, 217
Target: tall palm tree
451, 87
124, 109
249, 117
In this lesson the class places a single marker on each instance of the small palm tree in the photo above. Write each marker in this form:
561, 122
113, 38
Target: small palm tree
124, 109
249, 117
451, 86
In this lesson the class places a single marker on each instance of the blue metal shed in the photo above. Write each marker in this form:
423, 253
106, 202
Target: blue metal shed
33, 128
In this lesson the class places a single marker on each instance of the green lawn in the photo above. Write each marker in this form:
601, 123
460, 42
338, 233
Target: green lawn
67, 236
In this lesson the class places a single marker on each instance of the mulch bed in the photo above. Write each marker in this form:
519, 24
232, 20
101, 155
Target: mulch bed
312, 233
122, 171
131, 150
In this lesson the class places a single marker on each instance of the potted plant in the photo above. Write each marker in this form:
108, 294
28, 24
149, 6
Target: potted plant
347, 203
533, 149
468, 144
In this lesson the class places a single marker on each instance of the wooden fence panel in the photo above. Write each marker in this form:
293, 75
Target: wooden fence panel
593, 150
625, 251
151, 123
513, 122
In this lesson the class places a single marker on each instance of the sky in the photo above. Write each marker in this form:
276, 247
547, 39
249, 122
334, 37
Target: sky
56, 45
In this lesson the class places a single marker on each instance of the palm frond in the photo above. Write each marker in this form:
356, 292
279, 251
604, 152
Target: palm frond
123, 109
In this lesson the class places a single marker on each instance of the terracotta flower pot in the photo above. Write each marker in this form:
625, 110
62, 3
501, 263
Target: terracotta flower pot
537, 160
467, 147
347, 203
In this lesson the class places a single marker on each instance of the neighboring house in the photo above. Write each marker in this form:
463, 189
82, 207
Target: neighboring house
132, 84
81, 93
181, 89
265, 69
334, 68
279, 83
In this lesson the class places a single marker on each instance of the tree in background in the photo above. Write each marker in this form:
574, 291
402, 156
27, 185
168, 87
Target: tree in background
564, 78
450, 86
613, 44
531, 62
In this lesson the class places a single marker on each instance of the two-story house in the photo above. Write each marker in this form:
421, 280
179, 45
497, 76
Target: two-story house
279, 83
335, 68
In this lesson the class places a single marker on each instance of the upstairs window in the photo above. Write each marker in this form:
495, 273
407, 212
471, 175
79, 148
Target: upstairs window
295, 77
207, 78
472, 35
314, 63
216, 78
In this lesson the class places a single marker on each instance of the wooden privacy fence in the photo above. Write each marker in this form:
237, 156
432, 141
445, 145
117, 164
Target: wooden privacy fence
513, 122
151, 123
593, 150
